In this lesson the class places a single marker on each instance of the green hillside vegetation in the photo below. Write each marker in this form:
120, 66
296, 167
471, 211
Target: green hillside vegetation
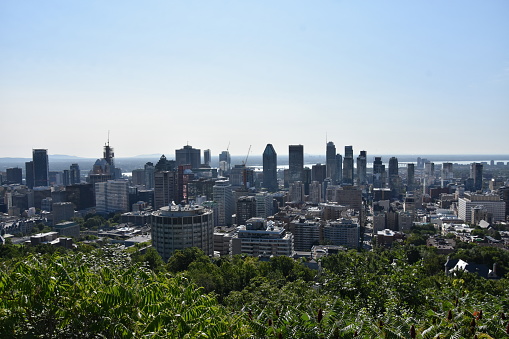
397, 293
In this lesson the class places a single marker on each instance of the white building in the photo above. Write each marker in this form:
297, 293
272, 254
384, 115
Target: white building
223, 196
490, 202
112, 196
260, 238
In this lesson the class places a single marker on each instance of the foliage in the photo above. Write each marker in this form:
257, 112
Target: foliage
386, 293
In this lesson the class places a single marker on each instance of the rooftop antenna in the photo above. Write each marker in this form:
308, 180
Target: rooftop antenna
108, 137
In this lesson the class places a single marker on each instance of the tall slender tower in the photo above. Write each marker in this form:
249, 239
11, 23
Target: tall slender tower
410, 176
296, 163
348, 166
476, 170
206, 157
378, 173
361, 168
270, 168
330, 161
75, 174
41, 167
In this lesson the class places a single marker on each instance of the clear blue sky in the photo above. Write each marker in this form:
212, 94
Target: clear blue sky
389, 77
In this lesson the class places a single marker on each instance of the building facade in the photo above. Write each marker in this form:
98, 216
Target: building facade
179, 227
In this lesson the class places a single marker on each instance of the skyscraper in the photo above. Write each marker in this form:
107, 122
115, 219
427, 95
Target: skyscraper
348, 166
75, 174
41, 167
14, 175
476, 170
295, 162
447, 173
270, 168
188, 156
223, 195
165, 188
225, 161
394, 179
206, 157
410, 176
361, 168
330, 162
393, 166
378, 173
29, 174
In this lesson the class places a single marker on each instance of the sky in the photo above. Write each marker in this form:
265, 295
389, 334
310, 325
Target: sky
388, 77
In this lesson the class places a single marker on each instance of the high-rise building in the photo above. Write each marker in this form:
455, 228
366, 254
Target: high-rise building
149, 175
339, 168
410, 176
112, 196
224, 162
315, 192
188, 156
348, 166
14, 175
29, 174
318, 173
223, 196
246, 209
394, 178
138, 177
270, 169
165, 188
378, 173
296, 192
75, 174
330, 162
447, 173
362, 178
393, 166
206, 157
295, 162
476, 170
41, 167
179, 227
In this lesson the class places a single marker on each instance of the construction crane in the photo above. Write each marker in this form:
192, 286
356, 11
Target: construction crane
245, 161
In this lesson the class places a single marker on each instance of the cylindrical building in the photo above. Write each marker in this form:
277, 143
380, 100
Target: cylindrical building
179, 227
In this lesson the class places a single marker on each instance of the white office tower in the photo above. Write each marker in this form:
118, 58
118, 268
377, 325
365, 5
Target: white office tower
112, 196
223, 196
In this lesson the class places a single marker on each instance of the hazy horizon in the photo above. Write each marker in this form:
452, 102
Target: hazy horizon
399, 76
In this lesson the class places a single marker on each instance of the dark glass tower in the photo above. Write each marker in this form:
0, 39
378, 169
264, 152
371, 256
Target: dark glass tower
75, 174
295, 162
270, 168
29, 174
348, 166
393, 167
330, 161
378, 173
476, 174
410, 177
188, 156
41, 167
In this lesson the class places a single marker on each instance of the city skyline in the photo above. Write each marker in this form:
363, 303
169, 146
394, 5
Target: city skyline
389, 78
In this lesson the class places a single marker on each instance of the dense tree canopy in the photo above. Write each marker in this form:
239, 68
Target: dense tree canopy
397, 293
